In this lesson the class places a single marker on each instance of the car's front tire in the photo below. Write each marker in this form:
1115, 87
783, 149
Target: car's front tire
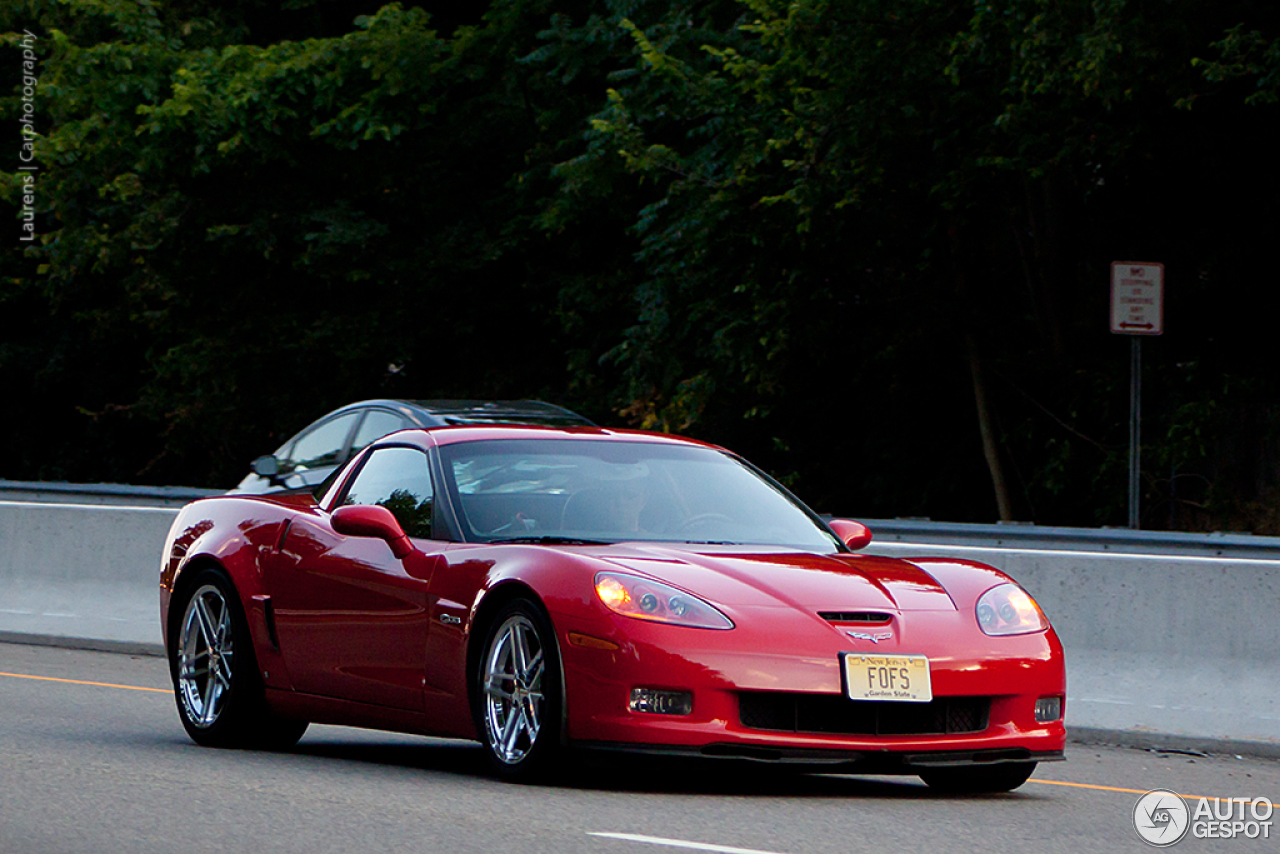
215, 672
977, 780
518, 700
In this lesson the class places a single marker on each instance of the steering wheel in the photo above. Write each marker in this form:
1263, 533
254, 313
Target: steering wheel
702, 519
519, 524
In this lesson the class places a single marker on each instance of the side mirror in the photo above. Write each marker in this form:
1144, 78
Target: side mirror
855, 534
370, 520
266, 466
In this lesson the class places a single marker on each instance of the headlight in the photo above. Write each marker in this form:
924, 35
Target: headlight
643, 599
1009, 610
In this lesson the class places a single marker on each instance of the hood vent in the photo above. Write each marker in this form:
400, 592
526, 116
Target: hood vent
874, 618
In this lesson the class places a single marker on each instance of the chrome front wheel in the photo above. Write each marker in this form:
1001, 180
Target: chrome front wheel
519, 699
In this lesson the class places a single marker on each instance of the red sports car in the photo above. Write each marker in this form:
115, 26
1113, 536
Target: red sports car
543, 589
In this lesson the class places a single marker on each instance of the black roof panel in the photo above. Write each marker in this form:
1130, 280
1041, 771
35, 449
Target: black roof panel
440, 413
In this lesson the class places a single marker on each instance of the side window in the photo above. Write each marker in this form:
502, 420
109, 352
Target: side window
399, 480
377, 423
323, 445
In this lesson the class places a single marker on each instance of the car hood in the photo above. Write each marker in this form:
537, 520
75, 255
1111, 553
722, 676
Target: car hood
753, 577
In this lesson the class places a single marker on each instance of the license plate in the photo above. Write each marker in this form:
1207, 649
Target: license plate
899, 678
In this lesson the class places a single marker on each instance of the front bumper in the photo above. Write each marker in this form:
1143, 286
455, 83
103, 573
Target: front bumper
720, 668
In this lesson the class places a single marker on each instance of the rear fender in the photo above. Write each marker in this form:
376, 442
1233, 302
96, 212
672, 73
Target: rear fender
234, 535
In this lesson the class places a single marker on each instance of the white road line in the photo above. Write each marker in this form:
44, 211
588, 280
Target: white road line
680, 843
1108, 701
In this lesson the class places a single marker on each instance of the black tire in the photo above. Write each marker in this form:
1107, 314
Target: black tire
518, 706
216, 681
978, 780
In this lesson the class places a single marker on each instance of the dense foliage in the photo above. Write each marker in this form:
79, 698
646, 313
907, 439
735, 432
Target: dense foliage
866, 243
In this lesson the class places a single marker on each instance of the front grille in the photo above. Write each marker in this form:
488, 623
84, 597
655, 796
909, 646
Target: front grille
833, 713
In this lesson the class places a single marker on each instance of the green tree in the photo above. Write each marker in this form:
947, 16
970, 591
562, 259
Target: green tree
894, 219
244, 224
865, 243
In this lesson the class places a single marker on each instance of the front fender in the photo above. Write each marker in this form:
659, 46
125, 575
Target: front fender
964, 580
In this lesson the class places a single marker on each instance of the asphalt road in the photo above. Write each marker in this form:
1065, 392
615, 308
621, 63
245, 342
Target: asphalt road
104, 768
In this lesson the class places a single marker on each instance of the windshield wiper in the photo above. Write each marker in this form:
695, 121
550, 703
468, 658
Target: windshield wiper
552, 541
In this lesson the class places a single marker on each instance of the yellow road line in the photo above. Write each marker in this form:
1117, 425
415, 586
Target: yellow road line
1089, 786
82, 682
1115, 789
1092, 786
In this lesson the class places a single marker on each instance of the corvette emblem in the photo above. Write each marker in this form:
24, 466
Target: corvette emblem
876, 638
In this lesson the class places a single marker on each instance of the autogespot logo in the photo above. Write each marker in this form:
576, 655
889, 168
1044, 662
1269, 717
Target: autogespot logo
1161, 817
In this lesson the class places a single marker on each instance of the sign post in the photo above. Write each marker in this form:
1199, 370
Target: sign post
1137, 309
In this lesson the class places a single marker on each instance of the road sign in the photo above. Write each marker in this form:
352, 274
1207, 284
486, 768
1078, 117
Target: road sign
1137, 308
1137, 298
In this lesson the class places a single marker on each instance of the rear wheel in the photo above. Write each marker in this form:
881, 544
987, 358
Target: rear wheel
975, 780
215, 673
518, 693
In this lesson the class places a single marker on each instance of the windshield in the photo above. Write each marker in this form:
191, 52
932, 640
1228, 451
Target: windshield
564, 490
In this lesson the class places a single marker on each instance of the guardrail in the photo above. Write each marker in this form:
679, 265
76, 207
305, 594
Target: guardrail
115, 494
1171, 639
1028, 536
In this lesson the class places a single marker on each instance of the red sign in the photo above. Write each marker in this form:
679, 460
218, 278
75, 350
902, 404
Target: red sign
1137, 298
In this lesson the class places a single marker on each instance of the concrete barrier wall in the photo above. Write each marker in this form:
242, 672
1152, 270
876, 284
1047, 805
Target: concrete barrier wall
1161, 649
82, 572
1170, 639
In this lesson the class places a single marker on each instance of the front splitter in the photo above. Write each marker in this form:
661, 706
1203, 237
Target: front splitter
850, 761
